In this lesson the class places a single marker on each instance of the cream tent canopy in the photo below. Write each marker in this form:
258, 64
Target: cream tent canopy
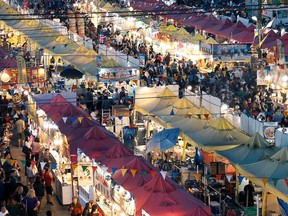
154, 101
49, 40
79, 52
221, 136
169, 30
211, 40
110, 64
275, 169
198, 37
257, 148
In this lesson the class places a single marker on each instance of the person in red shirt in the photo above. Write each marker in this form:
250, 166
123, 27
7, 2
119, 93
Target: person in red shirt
48, 178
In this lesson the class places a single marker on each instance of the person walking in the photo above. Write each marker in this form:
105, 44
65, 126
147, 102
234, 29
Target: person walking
20, 128
75, 207
48, 178
31, 203
39, 188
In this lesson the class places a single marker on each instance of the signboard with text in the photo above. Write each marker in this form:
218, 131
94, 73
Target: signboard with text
227, 52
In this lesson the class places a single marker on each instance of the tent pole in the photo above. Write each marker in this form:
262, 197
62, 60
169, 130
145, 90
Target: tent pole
264, 201
183, 151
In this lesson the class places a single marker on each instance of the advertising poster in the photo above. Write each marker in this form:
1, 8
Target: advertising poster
141, 60
261, 77
269, 129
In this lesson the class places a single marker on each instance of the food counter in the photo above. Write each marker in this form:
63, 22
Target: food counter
62, 177
63, 186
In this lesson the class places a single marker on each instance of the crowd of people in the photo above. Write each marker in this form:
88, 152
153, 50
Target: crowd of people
24, 193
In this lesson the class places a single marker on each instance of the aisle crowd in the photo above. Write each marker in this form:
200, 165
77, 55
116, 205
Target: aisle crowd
24, 184
239, 92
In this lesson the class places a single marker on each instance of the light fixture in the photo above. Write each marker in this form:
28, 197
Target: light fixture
254, 18
5, 77
224, 108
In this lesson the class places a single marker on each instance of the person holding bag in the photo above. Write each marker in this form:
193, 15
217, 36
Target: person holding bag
31, 203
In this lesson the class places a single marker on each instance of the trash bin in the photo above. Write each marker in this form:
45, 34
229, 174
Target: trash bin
215, 208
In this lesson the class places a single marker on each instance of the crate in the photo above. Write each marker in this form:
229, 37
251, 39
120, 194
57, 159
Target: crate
120, 110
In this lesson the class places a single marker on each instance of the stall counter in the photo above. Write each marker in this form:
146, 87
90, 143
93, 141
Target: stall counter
63, 190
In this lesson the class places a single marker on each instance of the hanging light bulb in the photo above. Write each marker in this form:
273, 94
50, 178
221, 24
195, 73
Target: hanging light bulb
5, 77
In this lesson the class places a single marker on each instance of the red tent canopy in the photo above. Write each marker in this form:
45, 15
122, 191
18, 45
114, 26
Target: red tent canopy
220, 27
193, 19
58, 102
284, 37
206, 23
234, 29
96, 132
92, 148
116, 157
142, 176
269, 40
244, 36
159, 197
8, 62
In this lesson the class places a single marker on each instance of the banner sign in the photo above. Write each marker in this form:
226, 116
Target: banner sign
118, 74
227, 52
22, 74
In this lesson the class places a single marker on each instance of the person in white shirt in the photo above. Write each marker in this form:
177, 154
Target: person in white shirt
116, 95
4, 211
95, 115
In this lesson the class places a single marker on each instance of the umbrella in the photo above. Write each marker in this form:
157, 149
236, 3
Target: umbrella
164, 139
71, 73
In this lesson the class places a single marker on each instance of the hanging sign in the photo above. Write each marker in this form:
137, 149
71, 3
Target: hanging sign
85, 173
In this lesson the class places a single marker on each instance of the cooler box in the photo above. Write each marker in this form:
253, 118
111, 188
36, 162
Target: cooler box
215, 208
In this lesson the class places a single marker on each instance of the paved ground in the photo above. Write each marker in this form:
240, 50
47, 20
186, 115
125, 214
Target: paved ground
57, 209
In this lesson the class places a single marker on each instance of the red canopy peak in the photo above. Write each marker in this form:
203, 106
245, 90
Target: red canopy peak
118, 151
159, 185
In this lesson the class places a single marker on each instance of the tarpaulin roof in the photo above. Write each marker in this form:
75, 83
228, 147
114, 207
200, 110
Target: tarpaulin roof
230, 31
221, 137
158, 102
256, 149
163, 140
142, 176
273, 169
206, 23
211, 40
246, 36
158, 197
220, 27
116, 157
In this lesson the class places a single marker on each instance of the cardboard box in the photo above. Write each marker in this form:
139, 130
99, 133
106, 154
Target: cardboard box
120, 110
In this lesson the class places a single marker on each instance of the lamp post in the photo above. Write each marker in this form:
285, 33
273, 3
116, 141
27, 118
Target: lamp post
259, 26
